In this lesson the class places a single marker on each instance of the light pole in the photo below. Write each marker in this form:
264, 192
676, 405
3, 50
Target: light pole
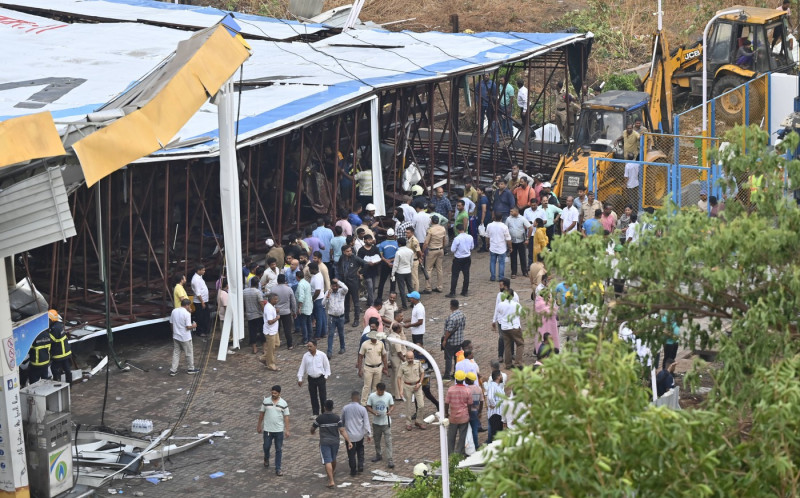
442, 429
705, 66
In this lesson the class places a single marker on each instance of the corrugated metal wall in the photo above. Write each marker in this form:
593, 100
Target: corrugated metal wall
34, 212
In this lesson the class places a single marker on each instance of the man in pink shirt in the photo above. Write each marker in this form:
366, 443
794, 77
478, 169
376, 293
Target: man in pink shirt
456, 408
374, 311
609, 218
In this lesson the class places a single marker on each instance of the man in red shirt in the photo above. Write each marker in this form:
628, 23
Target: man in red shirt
456, 408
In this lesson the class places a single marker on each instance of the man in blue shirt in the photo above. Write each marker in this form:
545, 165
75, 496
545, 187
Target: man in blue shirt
325, 235
503, 200
337, 243
387, 250
441, 205
487, 93
462, 259
593, 226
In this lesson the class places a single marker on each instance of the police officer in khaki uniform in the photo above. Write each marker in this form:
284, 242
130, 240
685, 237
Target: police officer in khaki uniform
372, 361
413, 244
433, 247
409, 379
397, 354
60, 350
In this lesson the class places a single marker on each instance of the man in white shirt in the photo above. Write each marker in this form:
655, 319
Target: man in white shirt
507, 316
182, 326
632, 232
318, 294
531, 214
522, 98
632, 181
417, 321
201, 312
462, 260
271, 318
505, 285
422, 221
520, 231
315, 365
499, 246
401, 269
569, 217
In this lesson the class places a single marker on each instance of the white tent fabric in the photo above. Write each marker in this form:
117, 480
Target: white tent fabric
167, 14
288, 85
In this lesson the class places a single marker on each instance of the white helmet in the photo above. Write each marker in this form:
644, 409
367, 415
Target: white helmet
370, 207
422, 470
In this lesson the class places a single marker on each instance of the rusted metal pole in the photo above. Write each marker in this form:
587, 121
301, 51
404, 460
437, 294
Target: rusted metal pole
279, 242
130, 241
526, 119
186, 224
336, 169
249, 187
394, 152
167, 234
356, 159
300, 177
431, 156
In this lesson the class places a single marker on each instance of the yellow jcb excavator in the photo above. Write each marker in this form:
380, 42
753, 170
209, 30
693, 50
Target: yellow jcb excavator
741, 46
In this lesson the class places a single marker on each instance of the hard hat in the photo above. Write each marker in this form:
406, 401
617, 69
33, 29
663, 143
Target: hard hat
421, 470
270, 242
54, 316
390, 232
370, 207
417, 190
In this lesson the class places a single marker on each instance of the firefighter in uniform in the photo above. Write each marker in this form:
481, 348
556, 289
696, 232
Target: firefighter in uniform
60, 350
39, 358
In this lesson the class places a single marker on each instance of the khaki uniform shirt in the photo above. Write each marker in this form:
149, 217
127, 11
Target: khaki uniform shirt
630, 143
394, 349
373, 353
588, 209
413, 244
278, 254
411, 374
388, 309
436, 237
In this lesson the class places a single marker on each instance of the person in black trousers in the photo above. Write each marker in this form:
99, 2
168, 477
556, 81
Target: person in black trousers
462, 260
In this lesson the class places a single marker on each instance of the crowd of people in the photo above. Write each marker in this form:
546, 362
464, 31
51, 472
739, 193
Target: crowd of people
309, 289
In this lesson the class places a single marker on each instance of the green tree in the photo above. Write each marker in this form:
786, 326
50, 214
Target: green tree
734, 286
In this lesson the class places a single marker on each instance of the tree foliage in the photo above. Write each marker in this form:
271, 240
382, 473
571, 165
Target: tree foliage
733, 285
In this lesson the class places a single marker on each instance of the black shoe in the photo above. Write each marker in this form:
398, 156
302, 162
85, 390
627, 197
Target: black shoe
361, 469
450, 295
377, 458
353, 473
481, 429
436, 290
426, 291
465, 294
414, 417
390, 464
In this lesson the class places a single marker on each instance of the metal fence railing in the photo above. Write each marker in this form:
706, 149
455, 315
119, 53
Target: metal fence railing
744, 105
670, 168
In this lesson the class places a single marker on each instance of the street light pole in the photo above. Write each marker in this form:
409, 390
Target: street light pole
705, 65
442, 429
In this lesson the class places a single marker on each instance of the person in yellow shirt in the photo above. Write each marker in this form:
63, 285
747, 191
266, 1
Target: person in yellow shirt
179, 293
540, 239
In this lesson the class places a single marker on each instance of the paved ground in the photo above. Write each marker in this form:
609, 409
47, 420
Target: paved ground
228, 395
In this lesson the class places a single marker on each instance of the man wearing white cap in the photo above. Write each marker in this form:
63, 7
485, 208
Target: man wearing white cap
275, 251
547, 191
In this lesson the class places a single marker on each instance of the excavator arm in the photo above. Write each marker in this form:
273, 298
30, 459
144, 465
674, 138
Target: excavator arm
668, 70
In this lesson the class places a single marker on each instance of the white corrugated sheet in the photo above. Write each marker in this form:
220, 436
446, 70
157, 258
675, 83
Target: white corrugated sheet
34, 212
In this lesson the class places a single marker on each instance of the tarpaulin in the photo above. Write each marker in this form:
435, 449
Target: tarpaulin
29, 137
217, 55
